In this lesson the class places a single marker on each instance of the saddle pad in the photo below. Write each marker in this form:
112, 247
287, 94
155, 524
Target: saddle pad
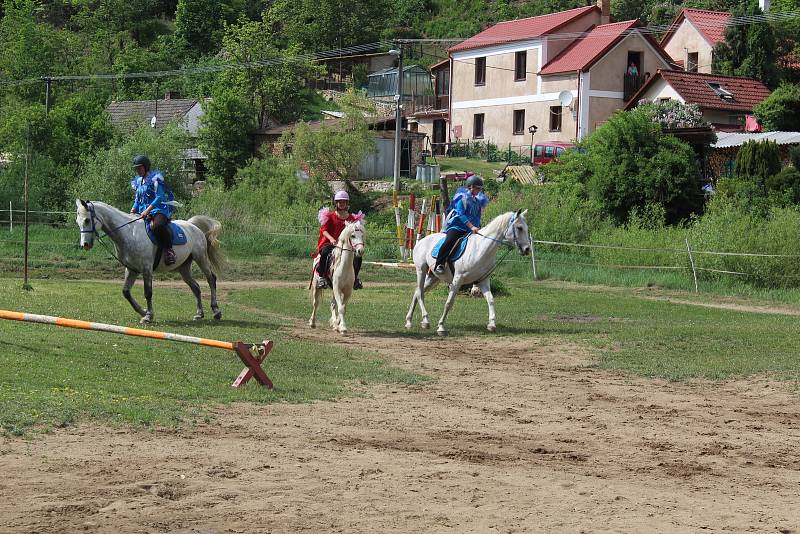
458, 250
178, 235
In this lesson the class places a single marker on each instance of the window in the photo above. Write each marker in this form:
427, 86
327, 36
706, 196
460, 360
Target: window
442, 82
736, 118
520, 66
549, 151
691, 62
480, 71
720, 91
519, 121
477, 126
664, 99
555, 118
537, 152
559, 151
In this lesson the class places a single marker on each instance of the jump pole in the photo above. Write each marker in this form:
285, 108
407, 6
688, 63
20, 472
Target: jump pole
251, 355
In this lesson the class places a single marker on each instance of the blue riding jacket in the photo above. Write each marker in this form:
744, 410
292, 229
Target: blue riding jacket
465, 207
150, 191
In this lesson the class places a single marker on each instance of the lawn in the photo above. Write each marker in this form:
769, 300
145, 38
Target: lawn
51, 376
484, 168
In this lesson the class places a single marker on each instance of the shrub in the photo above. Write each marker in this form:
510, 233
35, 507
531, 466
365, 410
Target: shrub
781, 109
758, 160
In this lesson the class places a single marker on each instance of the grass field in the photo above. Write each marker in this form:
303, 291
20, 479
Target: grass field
484, 168
51, 376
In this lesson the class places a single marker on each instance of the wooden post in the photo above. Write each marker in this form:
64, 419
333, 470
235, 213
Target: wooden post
533, 255
10, 217
25, 284
694, 271
445, 198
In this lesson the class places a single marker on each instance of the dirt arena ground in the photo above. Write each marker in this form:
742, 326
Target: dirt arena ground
514, 435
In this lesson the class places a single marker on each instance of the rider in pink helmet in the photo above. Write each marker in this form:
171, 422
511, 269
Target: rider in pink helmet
331, 226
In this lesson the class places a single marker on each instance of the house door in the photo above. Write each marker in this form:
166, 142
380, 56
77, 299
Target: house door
439, 136
405, 158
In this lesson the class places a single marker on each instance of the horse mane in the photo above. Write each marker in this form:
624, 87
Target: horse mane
347, 233
498, 224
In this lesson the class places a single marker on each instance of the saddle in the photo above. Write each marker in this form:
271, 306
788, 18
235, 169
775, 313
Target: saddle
458, 249
328, 269
178, 235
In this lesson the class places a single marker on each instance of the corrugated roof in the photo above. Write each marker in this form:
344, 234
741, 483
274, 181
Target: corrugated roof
726, 139
694, 88
711, 24
584, 52
522, 29
144, 110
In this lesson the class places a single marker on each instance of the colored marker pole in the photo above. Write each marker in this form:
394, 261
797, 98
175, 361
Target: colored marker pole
245, 352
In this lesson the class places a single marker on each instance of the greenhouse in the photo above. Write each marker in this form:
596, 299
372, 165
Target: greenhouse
416, 82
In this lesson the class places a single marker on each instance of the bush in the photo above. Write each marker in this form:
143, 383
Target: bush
107, 175
758, 160
780, 111
631, 163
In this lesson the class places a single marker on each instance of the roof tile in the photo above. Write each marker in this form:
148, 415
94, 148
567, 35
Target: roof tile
711, 24
522, 29
694, 89
142, 110
584, 52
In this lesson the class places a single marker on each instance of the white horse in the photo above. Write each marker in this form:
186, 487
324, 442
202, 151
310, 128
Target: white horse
350, 244
137, 253
473, 267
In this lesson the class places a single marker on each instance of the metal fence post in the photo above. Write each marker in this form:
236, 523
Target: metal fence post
691, 259
533, 255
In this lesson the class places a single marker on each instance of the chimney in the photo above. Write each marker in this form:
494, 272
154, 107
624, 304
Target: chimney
764, 5
605, 10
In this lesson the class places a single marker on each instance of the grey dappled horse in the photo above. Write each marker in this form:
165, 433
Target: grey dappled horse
473, 267
136, 252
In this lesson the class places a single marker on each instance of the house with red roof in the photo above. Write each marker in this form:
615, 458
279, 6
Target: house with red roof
564, 73
725, 101
691, 37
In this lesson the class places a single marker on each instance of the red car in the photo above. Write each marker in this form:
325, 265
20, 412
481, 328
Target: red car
548, 151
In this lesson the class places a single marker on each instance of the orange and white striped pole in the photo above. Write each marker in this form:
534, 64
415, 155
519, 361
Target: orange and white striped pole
245, 352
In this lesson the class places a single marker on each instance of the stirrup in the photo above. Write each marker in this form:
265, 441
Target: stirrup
322, 283
357, 284
439, 269
169, 257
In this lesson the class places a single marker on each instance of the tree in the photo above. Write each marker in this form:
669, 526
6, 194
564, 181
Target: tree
226, 133
631, 164
748, 49
335, 152
673, 114
757, 161
780, 111
201, 23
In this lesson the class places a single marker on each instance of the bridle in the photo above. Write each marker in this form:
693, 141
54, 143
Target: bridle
511, 228
93, 230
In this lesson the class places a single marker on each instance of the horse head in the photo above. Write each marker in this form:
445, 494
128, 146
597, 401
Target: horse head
86, 219
354, 236
517, 232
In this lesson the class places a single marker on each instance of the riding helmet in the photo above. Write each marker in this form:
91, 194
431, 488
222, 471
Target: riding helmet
474, 180
341, 195
142, 160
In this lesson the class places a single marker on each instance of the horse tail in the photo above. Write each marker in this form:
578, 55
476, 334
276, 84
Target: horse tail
211, 228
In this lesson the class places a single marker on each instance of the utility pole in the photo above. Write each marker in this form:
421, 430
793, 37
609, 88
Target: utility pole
398, 125
47, 81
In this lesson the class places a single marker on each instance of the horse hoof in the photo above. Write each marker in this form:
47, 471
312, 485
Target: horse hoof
146, 319
343, 331
312, 324
441, 332
408, 325
425, 325
197, 317
491, 328
217, 315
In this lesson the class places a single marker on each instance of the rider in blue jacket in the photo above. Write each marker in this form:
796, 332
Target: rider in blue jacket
150, 201
464, 217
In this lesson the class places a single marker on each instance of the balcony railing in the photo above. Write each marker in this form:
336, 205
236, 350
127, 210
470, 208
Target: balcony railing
631, 84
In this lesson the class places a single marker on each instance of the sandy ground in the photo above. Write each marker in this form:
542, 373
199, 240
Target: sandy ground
514, 435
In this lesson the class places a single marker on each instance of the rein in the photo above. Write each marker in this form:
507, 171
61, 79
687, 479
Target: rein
502, 242
92, 218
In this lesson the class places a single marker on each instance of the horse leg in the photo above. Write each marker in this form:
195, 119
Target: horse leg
485, 287
451, 297
415, 297
430, 281
334, 320
148, 295
316, 294
341, 301
205, 265
130, 279
186, 274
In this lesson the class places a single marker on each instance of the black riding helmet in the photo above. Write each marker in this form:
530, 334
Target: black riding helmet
142, 160
474, 180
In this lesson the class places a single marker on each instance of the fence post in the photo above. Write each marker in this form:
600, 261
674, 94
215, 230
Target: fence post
691, 259
533, 255
10, 218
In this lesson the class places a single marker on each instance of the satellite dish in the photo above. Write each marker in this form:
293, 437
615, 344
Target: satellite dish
153, 121
565, 97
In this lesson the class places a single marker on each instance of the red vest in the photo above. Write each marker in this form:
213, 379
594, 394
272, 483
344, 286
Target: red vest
334, 226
